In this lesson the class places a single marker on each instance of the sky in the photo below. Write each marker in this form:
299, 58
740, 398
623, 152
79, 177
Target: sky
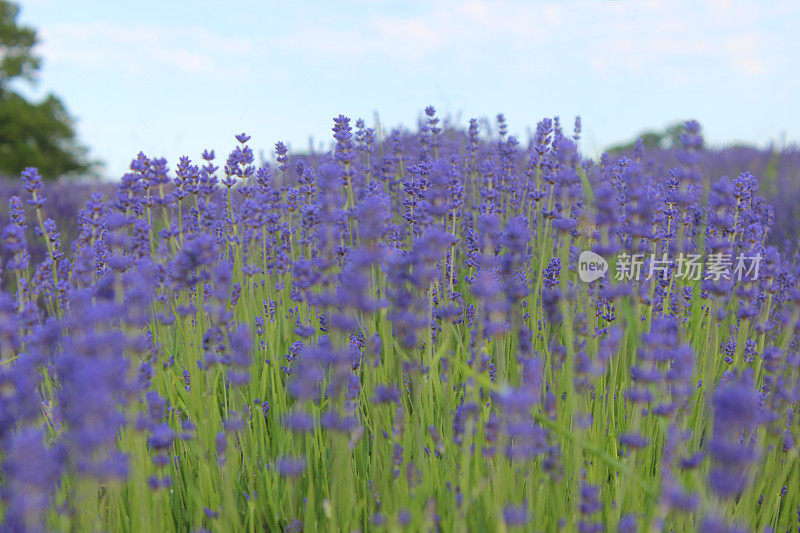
173, 78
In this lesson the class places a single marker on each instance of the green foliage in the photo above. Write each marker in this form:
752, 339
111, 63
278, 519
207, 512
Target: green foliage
669, 137
40, 135
32, 134
16, 47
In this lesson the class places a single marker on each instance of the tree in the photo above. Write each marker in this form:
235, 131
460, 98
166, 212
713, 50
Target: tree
32, 134
651, 140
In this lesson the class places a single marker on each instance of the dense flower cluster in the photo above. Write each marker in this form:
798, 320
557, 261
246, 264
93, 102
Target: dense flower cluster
395, 335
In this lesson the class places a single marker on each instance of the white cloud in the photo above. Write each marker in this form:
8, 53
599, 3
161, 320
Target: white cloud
612, 38
142, 48
746, 55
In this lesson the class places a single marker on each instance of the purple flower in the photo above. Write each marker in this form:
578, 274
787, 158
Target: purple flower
386, 394
737, 410
299, 421
290, 467
516, 516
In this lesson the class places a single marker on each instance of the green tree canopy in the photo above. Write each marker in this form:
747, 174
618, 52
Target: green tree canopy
32, 134
669, 137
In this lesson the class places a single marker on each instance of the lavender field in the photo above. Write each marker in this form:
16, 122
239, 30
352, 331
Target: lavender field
450, 329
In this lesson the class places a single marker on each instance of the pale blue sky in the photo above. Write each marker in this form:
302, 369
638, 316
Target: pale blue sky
173, 78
